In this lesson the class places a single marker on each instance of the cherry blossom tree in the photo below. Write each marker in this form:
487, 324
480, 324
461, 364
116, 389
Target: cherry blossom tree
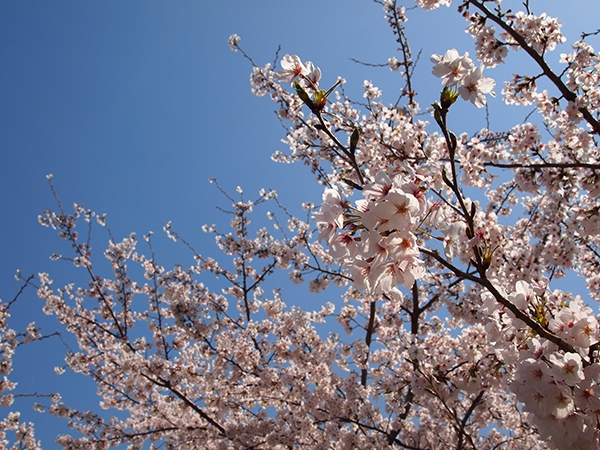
445, 246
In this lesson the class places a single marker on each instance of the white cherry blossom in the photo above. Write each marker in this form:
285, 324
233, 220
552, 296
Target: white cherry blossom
292, 68
451, 67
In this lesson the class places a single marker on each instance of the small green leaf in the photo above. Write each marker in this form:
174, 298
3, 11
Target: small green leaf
437, 114
354, 140
446, 179
303, 95
338, 82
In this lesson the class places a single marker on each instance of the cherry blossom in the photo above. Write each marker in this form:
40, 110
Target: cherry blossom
292, 68
451, 67
312, 76
456, 70
440, 251
233, 42
452, 239
474, 86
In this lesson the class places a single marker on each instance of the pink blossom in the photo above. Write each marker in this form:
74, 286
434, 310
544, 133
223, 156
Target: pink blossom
311, 78
474, 86
523, 295
292, 68
330, 217
233, 42
451, 67
567, 368
452, 239
412, 347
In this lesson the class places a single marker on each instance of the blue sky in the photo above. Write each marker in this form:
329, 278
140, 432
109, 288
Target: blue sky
133, 106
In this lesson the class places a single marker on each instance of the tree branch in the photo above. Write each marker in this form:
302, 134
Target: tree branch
555, 79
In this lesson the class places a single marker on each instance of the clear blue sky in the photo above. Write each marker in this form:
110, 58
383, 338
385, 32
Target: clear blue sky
133, 106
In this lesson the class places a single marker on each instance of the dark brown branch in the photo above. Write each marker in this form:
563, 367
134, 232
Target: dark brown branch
166, 384
23, 286
416, 311
463, 422
539, 329
368, 339
414, 330
407, 62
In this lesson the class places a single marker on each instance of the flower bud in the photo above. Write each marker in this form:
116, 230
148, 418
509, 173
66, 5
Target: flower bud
448, 97
320, 99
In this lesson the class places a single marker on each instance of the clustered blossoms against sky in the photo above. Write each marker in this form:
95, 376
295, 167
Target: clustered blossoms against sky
133, 108
460, 71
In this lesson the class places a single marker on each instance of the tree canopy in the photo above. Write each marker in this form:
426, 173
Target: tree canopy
439, 253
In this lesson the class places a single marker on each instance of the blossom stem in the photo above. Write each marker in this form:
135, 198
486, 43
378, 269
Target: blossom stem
351, 159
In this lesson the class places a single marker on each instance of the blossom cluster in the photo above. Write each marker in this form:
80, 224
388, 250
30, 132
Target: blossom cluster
447, 247
558, 387
542, 33
376, 241
459, 72
370, 236
293, 69
24, 434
